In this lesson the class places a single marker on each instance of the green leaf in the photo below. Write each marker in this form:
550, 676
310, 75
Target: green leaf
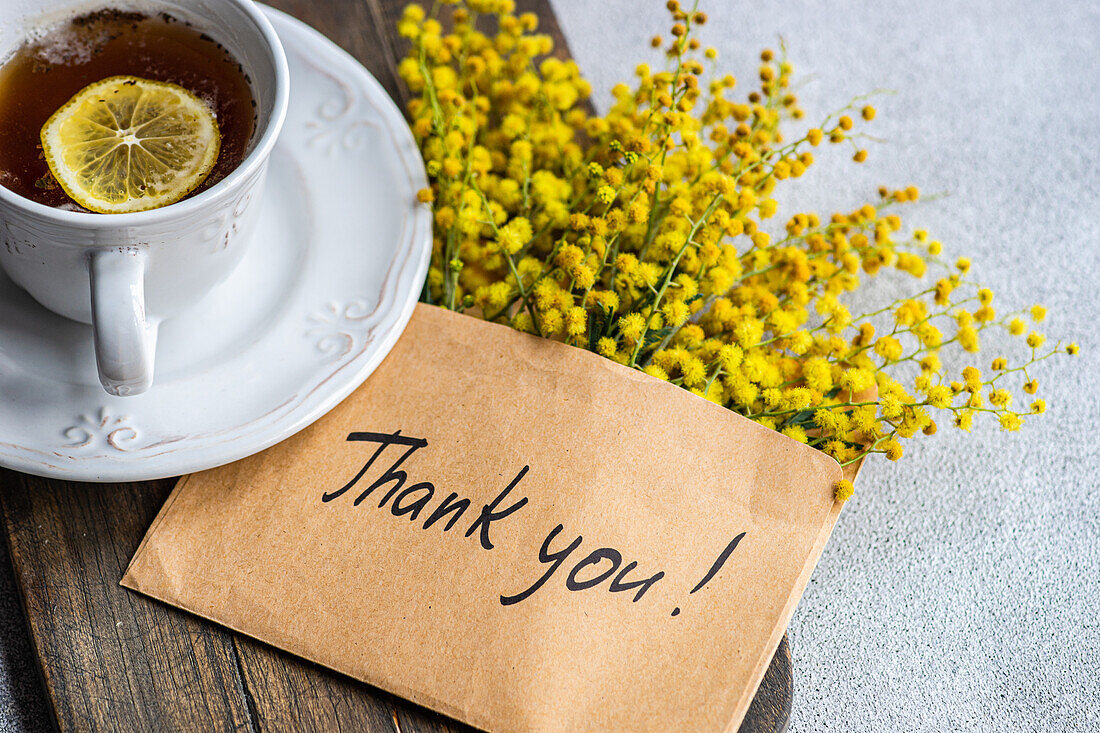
655, 336
597, 322
805, 417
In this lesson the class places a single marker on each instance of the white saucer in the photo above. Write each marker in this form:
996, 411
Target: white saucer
322, 295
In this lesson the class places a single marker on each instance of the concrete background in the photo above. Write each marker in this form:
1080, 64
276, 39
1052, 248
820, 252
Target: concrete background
961, 588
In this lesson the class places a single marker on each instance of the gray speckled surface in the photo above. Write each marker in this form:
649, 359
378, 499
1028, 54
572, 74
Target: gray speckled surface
961, 587
22, 703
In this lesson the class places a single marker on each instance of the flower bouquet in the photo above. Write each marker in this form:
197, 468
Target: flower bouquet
651, 235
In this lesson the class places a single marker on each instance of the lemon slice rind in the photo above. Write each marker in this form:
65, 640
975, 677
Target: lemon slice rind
126, 144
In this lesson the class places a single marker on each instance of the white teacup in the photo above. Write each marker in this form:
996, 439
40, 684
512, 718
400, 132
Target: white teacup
125, 273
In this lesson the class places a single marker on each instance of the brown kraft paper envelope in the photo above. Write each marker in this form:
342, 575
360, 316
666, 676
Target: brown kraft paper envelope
628, 560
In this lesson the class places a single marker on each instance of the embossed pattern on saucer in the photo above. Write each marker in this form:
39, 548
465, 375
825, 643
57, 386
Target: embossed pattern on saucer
322, 295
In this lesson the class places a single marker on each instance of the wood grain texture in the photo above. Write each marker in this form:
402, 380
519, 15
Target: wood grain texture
113, 660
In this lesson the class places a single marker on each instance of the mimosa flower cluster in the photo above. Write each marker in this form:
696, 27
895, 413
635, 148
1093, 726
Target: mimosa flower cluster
651, 235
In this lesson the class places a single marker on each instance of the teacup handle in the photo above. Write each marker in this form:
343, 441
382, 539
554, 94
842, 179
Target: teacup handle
125, 341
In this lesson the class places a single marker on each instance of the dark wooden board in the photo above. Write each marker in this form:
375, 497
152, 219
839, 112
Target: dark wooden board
112, 660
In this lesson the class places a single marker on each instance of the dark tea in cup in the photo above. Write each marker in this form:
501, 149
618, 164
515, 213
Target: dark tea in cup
49, 69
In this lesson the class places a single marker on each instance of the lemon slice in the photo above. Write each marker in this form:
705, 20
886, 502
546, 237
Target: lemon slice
128, 144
